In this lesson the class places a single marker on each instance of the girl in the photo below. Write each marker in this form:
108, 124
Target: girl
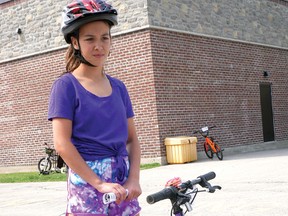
92, 117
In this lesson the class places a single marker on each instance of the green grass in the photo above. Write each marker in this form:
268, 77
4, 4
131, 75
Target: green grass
31, 177
35, 177
149, 166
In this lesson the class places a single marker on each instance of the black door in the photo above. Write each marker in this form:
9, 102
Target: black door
267, 113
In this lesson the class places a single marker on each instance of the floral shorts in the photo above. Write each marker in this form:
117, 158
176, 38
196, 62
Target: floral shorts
85, 200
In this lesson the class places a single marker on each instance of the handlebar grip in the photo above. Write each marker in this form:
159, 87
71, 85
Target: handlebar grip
208, 176
161, 195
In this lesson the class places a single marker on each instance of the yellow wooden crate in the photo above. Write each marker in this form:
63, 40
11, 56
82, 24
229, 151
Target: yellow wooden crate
181, 149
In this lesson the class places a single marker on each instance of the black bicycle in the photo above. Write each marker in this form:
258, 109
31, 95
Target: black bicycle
183, 193
52, 162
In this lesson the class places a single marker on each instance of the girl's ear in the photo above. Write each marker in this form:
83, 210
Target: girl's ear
74, 43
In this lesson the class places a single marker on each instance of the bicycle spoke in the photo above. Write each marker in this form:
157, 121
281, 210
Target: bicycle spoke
219, 152
208, 150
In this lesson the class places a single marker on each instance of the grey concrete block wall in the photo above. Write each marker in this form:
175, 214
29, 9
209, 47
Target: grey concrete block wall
40, 22
258, 21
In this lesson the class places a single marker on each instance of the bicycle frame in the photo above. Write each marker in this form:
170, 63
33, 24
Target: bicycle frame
211, 144
186, 200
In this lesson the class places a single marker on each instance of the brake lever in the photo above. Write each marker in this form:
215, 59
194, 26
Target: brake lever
204, 183
211, 189
217, 187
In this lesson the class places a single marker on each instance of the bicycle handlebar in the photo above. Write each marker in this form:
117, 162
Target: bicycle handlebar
166, 193
201, 132
172, 192
207, 176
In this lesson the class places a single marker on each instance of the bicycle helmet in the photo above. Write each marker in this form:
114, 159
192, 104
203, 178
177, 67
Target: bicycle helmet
80, 12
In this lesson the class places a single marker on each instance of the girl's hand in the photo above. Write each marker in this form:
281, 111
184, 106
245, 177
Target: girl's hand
134, 189
115, 188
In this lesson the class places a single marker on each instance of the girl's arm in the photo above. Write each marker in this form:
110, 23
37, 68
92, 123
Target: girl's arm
134, 152
62, 131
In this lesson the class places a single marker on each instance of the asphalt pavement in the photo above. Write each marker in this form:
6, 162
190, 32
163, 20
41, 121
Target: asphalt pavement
254, 183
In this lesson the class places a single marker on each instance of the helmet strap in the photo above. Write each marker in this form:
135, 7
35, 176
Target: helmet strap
77, 54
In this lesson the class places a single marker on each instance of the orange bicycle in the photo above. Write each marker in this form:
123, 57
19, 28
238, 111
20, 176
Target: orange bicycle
211, 146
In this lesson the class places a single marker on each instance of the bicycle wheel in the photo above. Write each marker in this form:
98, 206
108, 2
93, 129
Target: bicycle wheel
44, 165
219, 152
64, 169
208, 150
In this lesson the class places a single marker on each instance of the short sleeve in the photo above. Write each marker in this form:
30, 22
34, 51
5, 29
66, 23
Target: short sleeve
127, 102
62, 100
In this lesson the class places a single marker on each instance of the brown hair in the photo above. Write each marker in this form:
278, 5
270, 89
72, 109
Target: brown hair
72, 62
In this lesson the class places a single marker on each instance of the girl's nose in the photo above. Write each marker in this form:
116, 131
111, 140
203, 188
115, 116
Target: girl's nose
97, 46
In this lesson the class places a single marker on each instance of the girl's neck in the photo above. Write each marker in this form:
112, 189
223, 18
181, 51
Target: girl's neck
85, 71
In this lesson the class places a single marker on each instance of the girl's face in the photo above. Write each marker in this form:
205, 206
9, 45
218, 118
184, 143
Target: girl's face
95, 42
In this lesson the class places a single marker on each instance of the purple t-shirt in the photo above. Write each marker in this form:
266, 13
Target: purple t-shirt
99, 124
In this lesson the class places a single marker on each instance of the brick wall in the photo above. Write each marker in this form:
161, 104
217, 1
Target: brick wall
25, 85
131, 61
203, 81
177, 82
